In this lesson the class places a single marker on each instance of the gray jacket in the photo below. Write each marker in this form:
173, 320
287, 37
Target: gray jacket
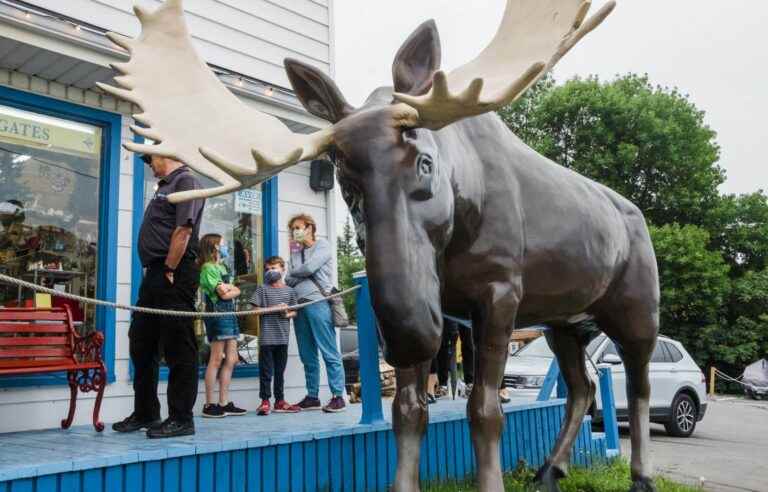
317, 262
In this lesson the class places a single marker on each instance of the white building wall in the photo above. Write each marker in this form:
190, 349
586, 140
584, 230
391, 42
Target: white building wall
251, 37
44, 407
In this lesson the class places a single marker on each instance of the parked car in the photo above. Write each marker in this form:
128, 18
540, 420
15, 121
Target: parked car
678, 389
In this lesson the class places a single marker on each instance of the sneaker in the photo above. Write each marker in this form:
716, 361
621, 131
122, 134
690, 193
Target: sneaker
263, 408
467, 390
230, 410
213, 411
283, 406
172, 428
309, 403
132, 424
504, 396
335, 405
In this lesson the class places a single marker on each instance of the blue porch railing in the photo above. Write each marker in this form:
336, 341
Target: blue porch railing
368, 349
554, 382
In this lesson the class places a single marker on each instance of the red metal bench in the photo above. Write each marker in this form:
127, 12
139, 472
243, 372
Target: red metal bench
36, 341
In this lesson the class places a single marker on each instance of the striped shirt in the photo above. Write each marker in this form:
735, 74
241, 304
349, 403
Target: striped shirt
274, 326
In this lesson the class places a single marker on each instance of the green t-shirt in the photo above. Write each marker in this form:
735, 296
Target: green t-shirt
210, 277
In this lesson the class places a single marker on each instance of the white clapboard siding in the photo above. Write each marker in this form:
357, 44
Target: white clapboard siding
43, 407
251, 37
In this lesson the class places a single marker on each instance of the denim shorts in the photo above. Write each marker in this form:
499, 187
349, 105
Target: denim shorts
224, 327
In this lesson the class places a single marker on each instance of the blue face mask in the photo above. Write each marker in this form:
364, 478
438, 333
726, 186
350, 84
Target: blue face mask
272, 276
223, 251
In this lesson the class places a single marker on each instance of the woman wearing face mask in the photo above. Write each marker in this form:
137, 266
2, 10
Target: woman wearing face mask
311, 274
222, 332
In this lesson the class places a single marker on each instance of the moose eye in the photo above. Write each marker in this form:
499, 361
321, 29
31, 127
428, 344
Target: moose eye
424, 165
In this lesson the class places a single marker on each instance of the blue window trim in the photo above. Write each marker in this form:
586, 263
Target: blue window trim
270, 246
109, 185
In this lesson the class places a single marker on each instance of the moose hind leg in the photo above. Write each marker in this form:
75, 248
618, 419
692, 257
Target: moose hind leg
634, 332
568, 347
409, 420
636, 361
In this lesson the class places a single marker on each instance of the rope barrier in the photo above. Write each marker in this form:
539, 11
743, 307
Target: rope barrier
737, 380
165, 312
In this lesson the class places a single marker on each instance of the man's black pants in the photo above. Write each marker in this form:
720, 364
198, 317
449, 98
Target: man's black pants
452, 331
272, 361
175, 337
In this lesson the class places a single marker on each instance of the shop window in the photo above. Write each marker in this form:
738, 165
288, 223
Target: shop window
49, 209
59, 186
239, 219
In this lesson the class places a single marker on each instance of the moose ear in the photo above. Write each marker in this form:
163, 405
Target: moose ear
316, 91
417, 60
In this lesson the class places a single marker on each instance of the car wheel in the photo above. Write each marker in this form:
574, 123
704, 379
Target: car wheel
683, 417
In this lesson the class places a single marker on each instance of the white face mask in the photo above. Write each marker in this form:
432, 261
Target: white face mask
299, 234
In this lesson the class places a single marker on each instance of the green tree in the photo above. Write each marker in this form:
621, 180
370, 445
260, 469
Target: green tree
648, 143
694, 286
349, 260
741, 232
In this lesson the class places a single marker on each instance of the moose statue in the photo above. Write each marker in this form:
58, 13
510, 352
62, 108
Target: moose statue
460, 215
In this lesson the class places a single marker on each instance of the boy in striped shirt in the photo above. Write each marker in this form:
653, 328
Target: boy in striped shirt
273, 336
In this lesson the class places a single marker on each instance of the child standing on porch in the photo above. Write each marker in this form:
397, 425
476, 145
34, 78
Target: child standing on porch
273, 336
222, 332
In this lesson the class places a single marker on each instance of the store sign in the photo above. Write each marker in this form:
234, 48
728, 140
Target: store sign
248, 202
27, 131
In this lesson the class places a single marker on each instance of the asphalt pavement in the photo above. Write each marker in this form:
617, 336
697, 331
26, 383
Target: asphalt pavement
727, 452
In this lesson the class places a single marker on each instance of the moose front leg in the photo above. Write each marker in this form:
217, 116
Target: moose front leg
494, 325
409, 420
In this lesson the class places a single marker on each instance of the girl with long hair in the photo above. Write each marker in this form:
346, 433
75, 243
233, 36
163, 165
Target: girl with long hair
222, 332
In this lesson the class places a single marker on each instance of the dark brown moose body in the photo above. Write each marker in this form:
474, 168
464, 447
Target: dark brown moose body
456, 214
509, 238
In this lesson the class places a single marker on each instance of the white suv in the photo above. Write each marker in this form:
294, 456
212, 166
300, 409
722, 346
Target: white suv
678, 389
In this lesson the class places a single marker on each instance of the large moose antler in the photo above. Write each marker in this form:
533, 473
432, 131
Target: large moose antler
534, 35
193, 116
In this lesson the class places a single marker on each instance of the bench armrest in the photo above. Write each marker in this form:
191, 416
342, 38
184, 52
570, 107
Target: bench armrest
88, 348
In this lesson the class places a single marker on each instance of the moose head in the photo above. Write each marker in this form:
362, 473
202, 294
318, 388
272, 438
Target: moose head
388, 158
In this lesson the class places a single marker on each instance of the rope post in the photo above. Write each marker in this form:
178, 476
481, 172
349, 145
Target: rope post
610, 423
712, 371
368, 350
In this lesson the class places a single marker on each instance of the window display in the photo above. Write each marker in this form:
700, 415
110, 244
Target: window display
49, 208
238, 218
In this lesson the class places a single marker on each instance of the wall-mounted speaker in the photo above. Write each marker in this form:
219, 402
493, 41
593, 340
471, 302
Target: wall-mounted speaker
321, 175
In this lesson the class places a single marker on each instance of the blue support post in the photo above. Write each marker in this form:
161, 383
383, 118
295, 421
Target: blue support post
551, 379
610, 423
368, 349
562, 388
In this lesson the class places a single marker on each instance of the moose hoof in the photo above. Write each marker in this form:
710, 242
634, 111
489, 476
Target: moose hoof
644, 484
547, 477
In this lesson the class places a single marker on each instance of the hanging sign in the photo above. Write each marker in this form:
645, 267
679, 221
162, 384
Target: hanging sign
248, 202
42, 131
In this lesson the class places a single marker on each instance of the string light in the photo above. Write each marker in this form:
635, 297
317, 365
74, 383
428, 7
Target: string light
78, 28
269, 92
27, 15
239, 82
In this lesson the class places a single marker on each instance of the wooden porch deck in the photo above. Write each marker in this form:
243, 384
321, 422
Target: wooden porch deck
302, 452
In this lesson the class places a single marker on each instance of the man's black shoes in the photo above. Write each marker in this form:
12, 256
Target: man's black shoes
132, 424
172, 428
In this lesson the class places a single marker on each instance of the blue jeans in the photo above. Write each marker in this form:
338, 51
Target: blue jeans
314, 330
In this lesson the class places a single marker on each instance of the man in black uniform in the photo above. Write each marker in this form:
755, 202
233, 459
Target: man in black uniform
167, 247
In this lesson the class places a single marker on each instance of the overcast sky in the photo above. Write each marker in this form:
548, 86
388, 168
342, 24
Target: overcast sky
713, 50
